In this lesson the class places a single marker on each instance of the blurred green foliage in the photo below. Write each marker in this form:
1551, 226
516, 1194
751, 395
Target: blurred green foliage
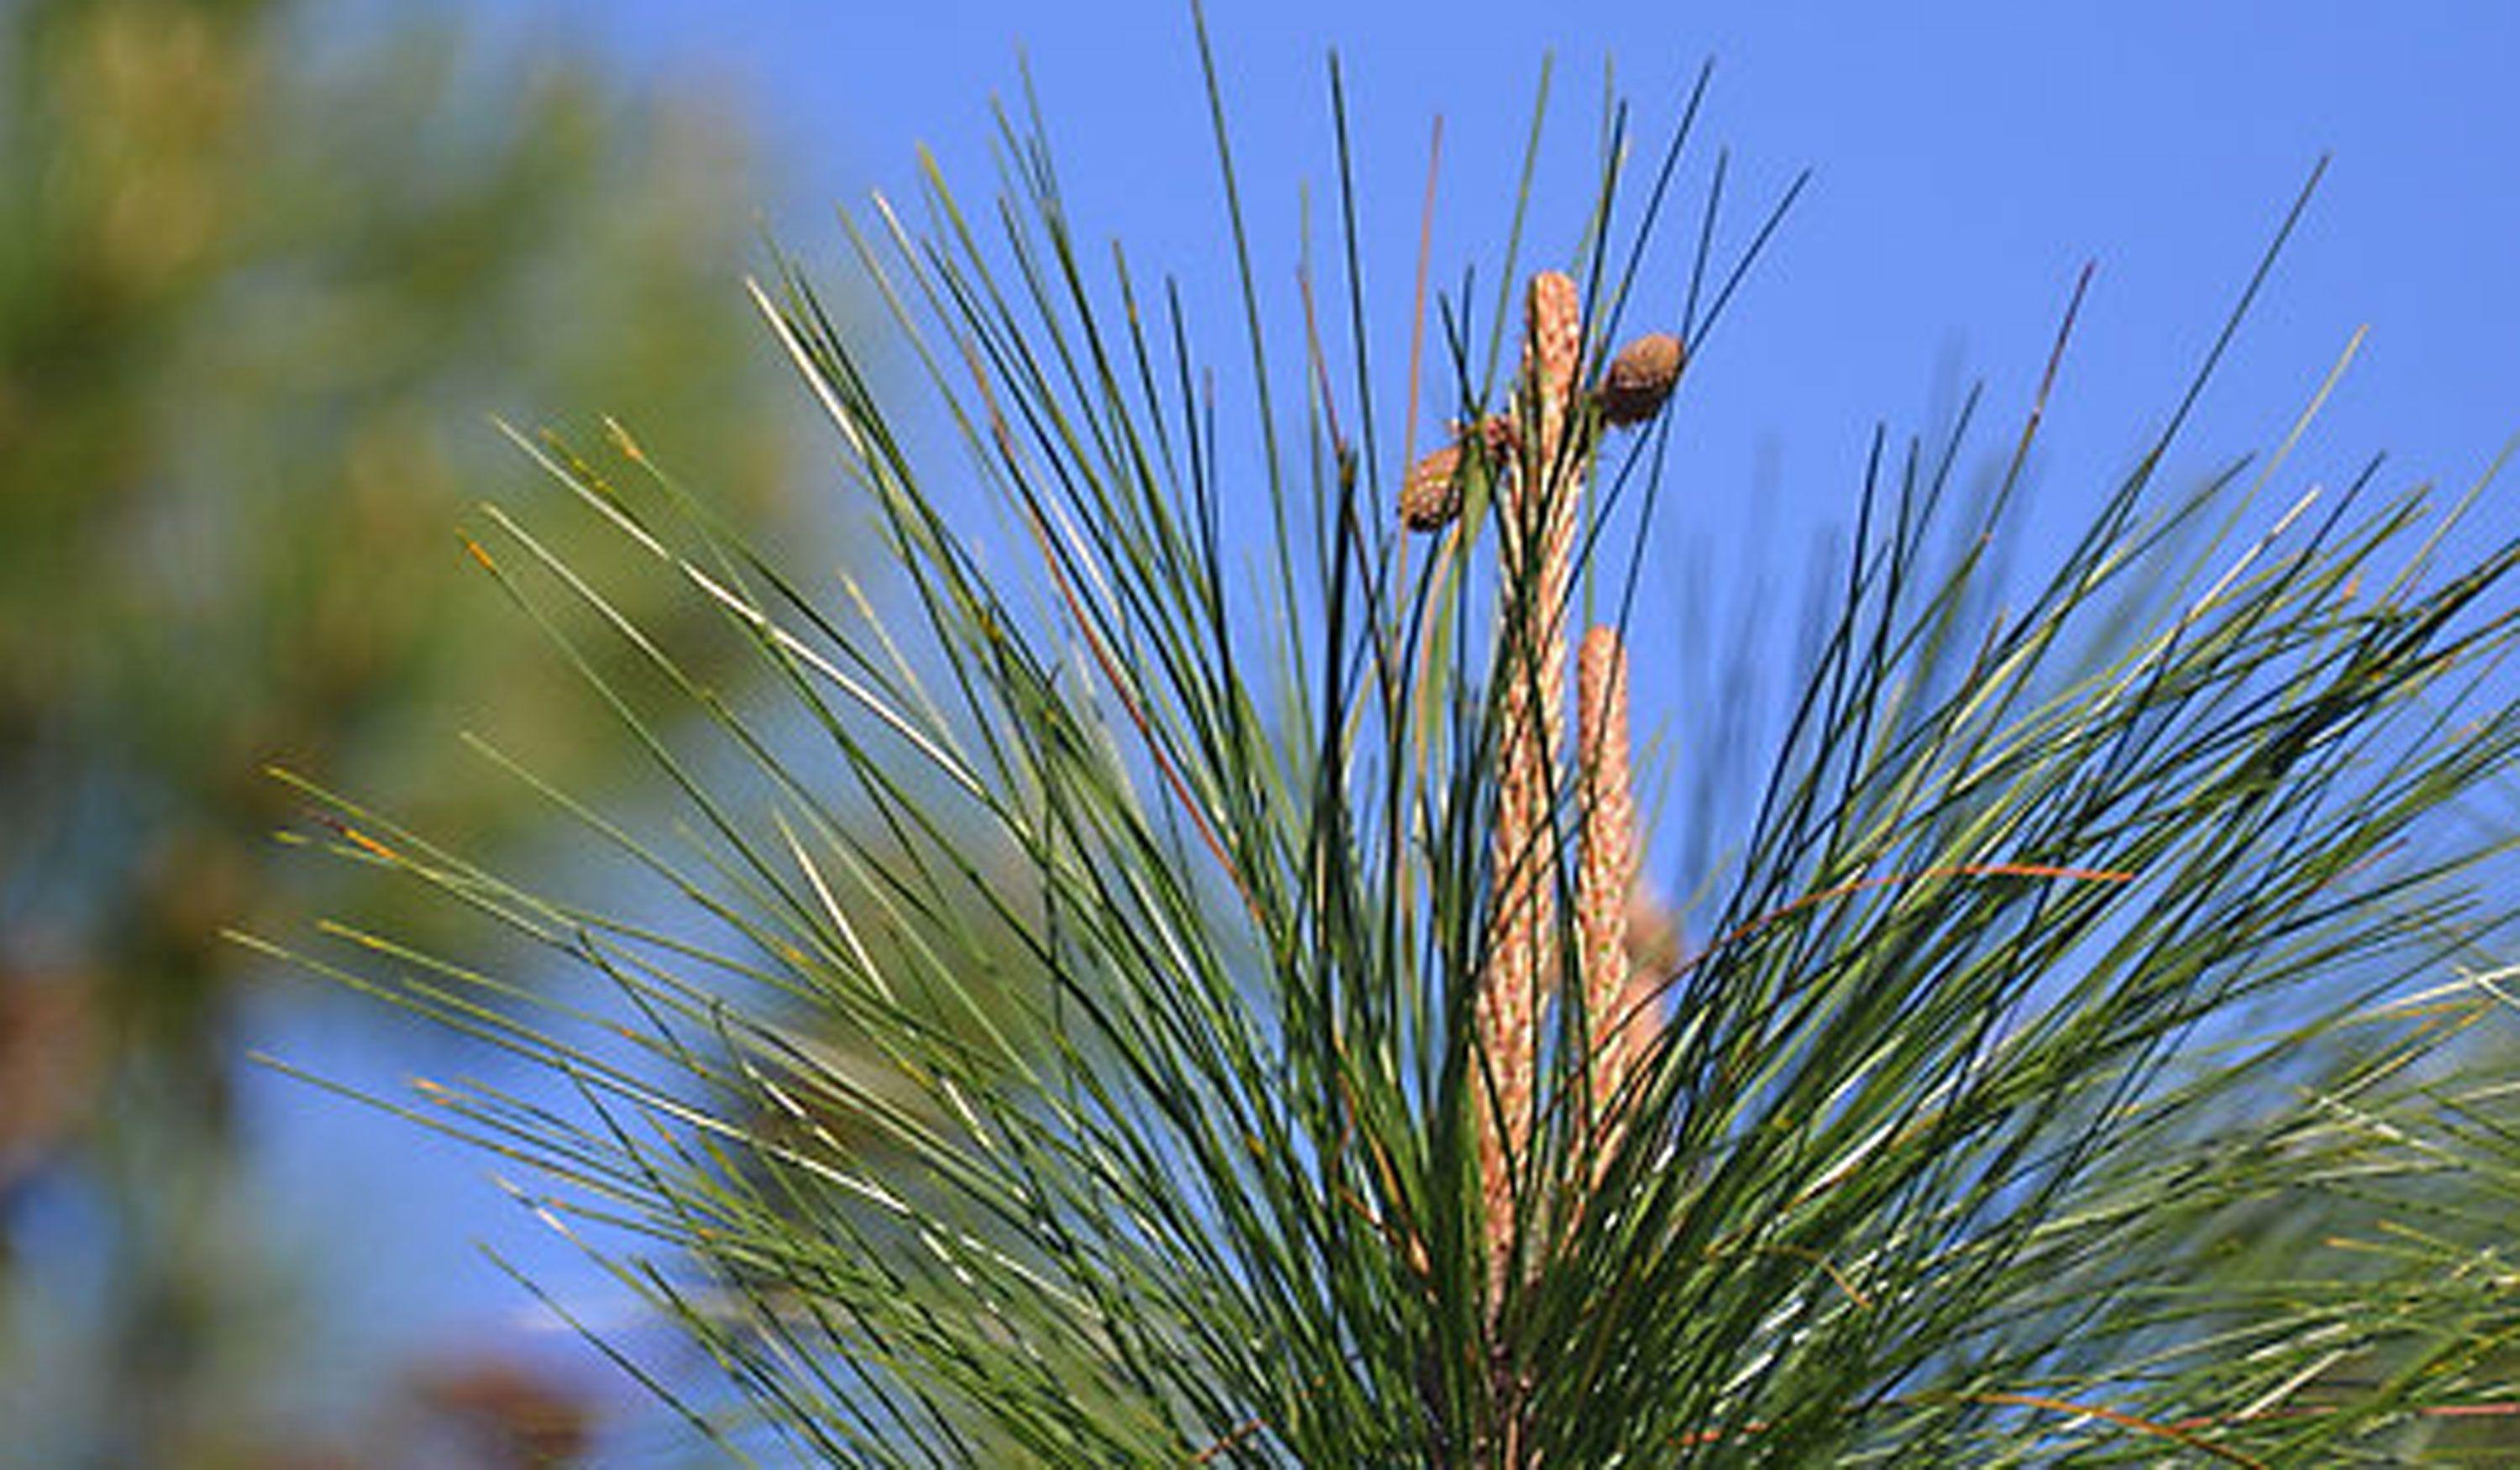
267, 269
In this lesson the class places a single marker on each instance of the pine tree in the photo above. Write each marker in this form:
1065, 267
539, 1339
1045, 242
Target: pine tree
2059, 1070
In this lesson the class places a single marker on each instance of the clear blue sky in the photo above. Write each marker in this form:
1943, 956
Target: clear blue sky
1968, 158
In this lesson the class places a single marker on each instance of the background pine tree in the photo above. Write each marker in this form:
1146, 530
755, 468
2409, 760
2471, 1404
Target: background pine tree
267, 270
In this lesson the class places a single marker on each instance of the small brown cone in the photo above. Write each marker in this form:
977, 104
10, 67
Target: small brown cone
1431, 494
1640, 378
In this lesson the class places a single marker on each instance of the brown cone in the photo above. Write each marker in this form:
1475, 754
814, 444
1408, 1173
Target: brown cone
1640, 378
1431, 495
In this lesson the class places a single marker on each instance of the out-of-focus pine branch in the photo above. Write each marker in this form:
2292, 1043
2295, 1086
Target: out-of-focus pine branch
267, 273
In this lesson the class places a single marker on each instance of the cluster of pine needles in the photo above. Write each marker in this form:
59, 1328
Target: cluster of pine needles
1170, 993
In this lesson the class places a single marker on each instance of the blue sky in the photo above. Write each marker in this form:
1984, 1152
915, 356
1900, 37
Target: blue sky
1967, 158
